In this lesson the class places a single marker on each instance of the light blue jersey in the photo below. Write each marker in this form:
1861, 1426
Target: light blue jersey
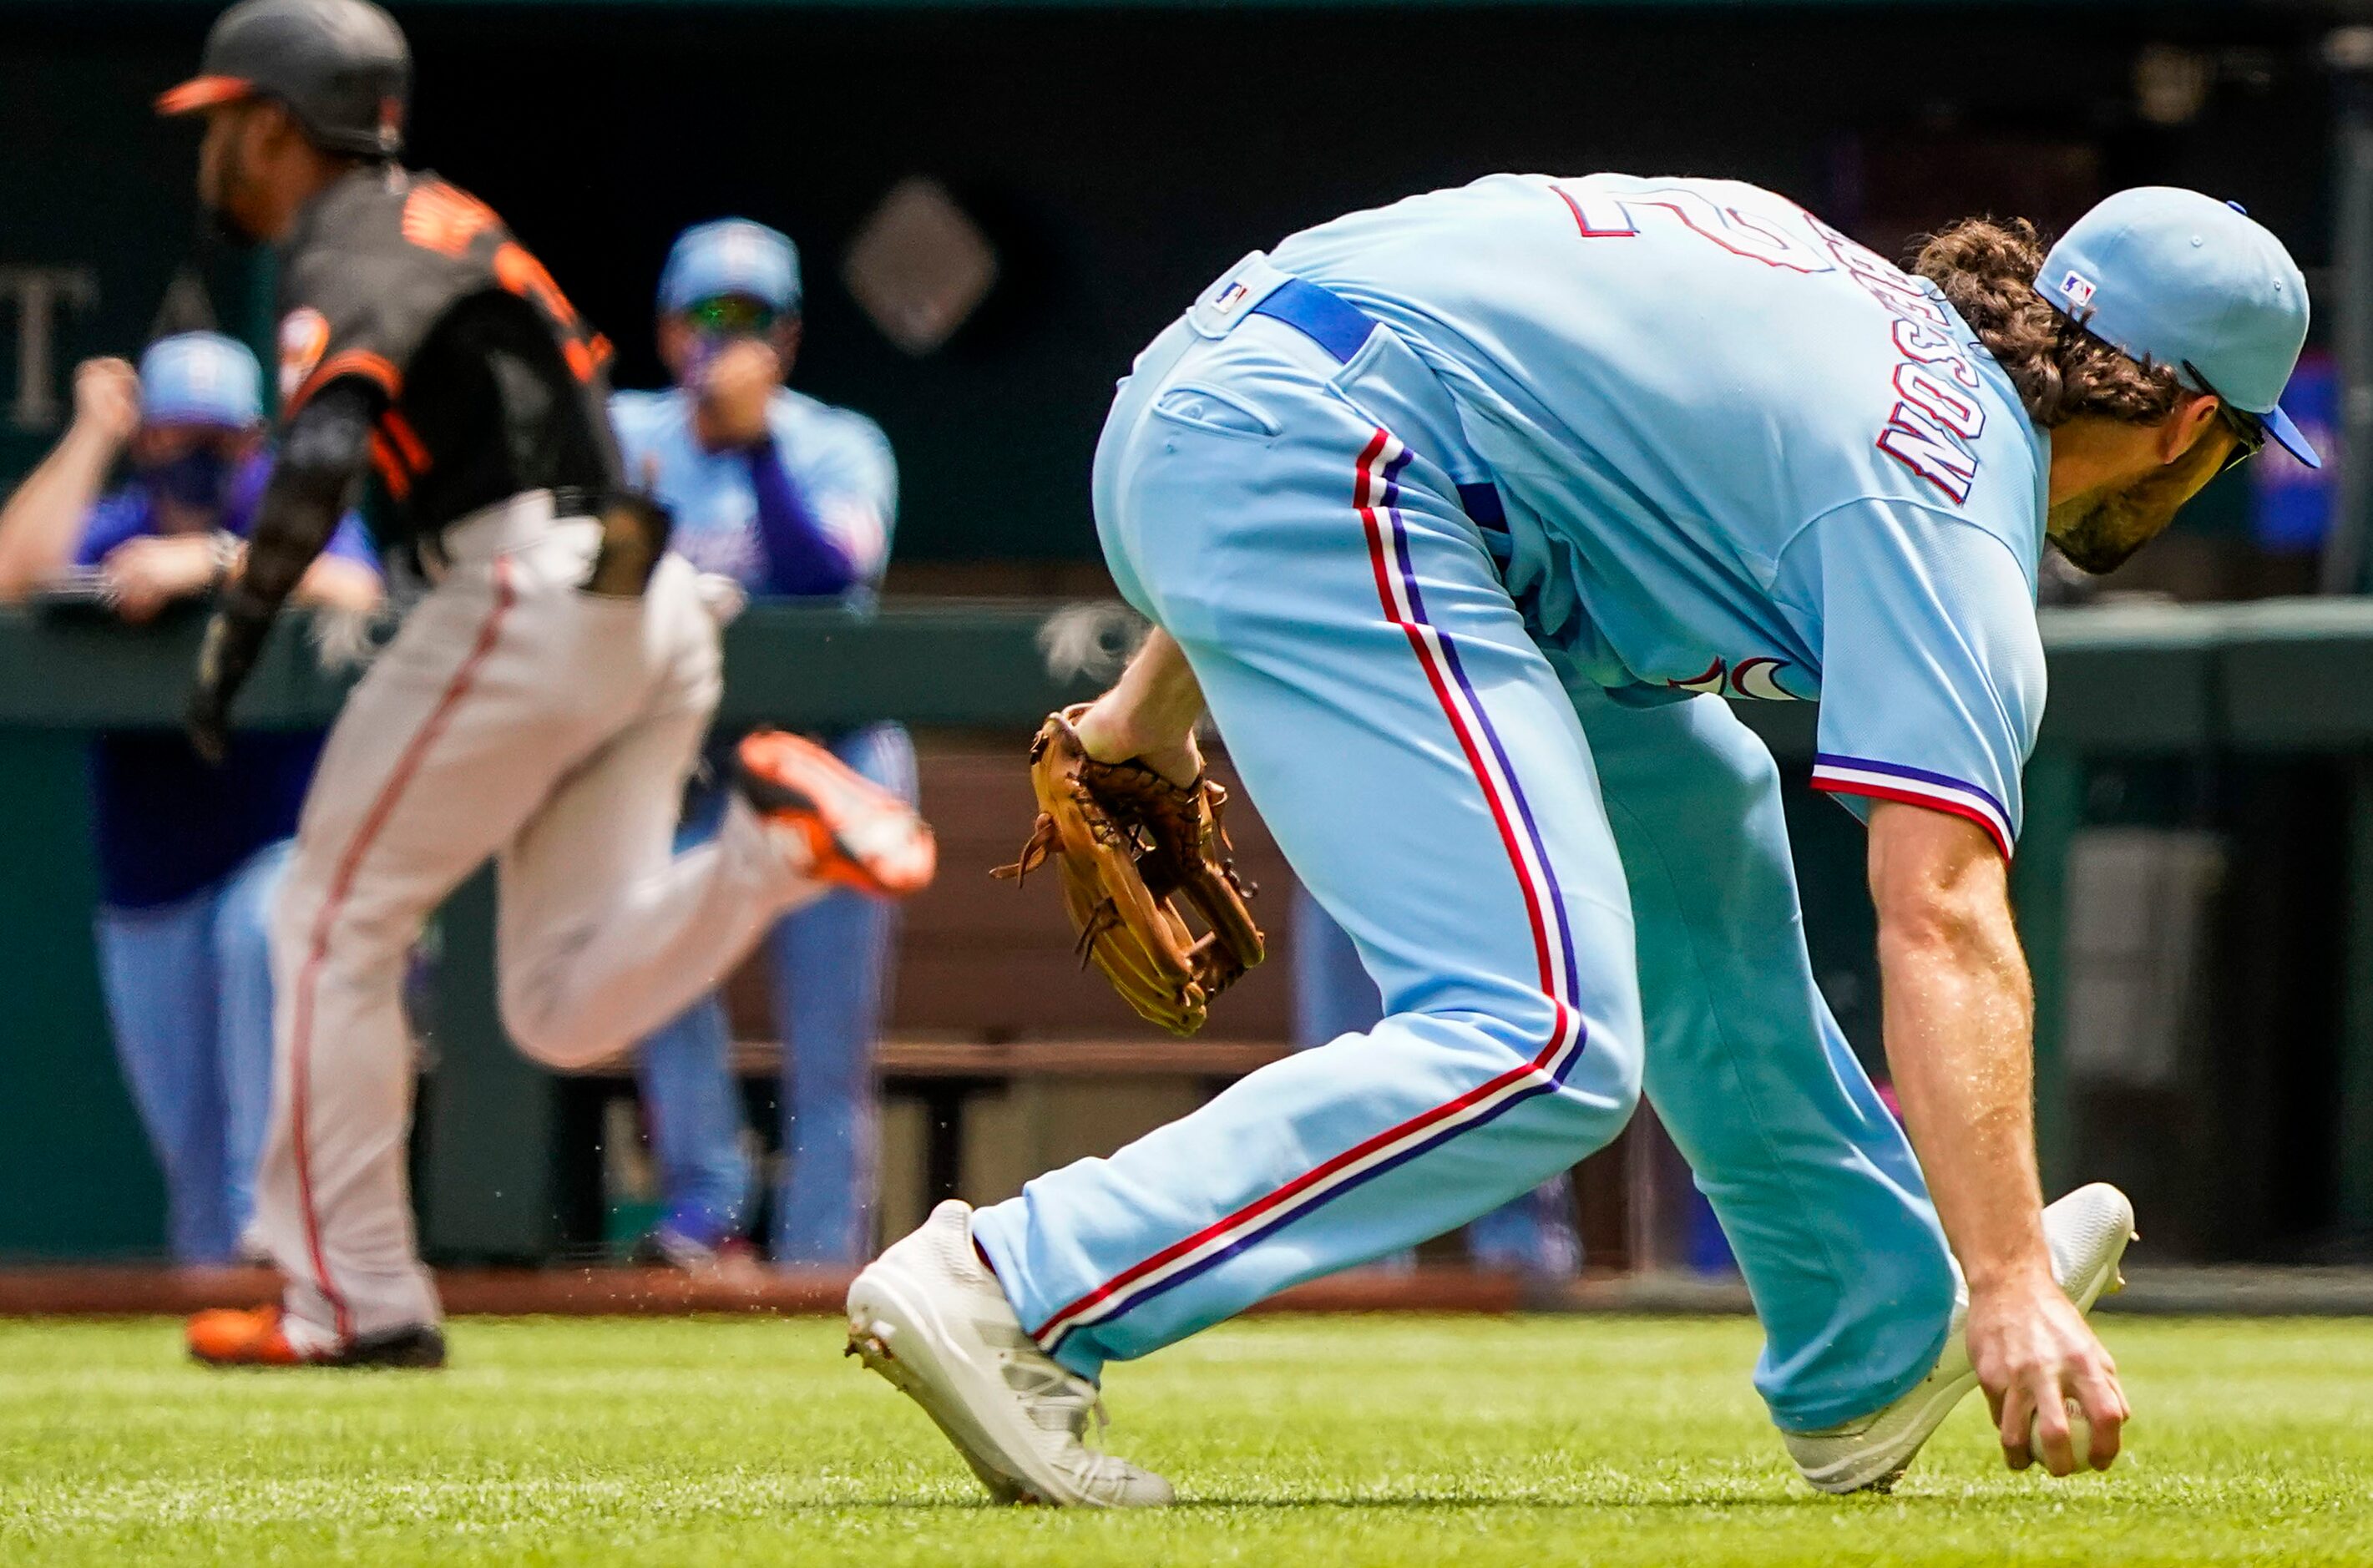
837, 459
1414, 499
1739, 454
1464, 514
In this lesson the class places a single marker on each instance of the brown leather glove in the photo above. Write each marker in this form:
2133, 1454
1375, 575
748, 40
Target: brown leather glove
1134, 853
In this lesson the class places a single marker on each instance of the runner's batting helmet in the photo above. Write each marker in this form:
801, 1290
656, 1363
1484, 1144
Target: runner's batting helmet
341, 66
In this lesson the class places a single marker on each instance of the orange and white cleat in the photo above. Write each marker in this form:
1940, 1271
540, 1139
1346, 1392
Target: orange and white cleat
258, 1337
856, 833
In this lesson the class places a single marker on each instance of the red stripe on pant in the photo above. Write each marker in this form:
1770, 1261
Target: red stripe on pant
1367, 491
342, 883
1379, 556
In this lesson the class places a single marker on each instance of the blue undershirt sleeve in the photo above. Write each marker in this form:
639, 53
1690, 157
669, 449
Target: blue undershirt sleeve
802, 558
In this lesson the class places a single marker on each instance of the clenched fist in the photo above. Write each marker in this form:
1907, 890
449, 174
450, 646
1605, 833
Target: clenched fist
730, 403
107, 400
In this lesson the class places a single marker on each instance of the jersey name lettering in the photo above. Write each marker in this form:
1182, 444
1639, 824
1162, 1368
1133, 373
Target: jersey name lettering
1899, 293
1937, 415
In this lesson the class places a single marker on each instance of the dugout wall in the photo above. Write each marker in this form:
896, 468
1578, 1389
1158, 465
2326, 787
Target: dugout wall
1115, 159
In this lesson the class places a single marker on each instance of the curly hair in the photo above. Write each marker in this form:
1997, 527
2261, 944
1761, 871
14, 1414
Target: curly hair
1987, 268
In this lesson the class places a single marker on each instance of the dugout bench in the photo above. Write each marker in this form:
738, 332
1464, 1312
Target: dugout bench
2186, 687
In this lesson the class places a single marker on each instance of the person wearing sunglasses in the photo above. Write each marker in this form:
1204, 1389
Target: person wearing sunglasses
781, 496
189, 855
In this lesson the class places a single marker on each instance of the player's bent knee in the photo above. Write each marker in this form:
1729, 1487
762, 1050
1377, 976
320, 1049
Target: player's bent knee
1594, 1061
550, 1028
1606, 1081
563, 1053
552, 1042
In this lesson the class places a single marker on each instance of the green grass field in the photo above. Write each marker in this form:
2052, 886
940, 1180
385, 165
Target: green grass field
716, 1444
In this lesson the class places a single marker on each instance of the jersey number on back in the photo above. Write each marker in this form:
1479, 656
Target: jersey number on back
1936, 419
438, 217
520, 273
1604, 216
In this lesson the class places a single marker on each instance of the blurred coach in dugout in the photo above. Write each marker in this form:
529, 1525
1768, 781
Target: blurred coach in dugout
787, 498
190, 855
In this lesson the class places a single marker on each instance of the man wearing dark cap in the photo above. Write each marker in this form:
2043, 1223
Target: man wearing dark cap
541, 704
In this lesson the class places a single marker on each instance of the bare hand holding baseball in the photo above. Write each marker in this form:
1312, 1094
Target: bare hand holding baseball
2038, 1360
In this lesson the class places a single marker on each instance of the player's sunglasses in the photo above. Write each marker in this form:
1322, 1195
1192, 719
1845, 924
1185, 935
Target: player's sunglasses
732, 315
2249, 432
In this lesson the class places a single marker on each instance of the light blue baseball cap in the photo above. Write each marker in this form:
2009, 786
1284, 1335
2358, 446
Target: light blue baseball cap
201, 378
2194, 284
731, 256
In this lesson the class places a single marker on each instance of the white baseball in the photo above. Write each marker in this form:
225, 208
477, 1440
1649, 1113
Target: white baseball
2080, 1437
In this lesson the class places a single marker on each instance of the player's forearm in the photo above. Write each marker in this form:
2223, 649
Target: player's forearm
334, 582
326, 451
1958, 1017
1149, 713
322, 459
39, 525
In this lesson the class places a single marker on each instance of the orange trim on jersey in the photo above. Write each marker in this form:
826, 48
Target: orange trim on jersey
520, 273
204, 92
585, 356
374, 367
392, 472
440, 218
407, 440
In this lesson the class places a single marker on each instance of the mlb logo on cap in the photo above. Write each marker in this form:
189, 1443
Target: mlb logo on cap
2078, 288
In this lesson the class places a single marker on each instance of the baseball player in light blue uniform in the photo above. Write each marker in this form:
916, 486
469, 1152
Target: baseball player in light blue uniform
787, 496
1461, 515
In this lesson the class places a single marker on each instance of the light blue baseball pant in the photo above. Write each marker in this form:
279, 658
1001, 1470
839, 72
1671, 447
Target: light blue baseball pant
832, 967
189, 993
1332, 995
1440, 793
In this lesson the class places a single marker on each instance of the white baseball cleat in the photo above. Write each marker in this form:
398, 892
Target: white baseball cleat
2088, 1231
931, 1318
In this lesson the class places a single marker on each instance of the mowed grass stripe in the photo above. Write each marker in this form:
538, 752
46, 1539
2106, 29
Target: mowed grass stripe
1305, 1441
